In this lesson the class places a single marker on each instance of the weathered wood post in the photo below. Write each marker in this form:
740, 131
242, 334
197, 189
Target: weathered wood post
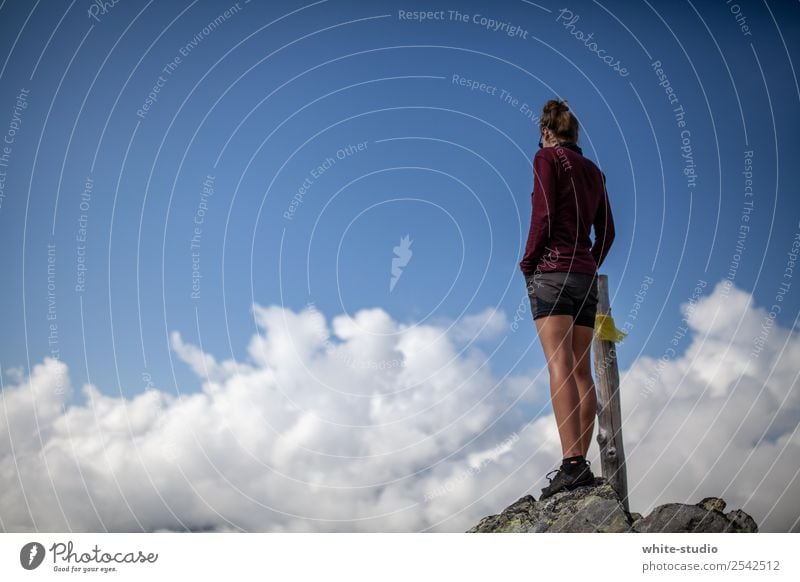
609, 415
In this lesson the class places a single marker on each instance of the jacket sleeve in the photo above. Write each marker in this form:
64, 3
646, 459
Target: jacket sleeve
603, 228
543, 207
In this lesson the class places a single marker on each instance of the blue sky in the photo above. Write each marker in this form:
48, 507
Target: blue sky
389, 79
368, 109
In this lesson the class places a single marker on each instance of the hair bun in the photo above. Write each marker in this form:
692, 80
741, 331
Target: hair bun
556, 107
557, 117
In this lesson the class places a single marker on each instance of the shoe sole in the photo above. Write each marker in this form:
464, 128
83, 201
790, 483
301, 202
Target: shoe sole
567, 488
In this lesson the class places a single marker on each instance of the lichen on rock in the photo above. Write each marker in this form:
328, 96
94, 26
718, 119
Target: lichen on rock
598, 508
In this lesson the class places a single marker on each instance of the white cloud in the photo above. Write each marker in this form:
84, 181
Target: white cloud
486, 325
722, 419
372, 425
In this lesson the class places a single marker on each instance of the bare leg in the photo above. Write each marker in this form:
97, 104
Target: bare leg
582, 373
555, 333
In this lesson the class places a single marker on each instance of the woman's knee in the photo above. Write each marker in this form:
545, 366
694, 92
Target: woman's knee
560, 369
583, 378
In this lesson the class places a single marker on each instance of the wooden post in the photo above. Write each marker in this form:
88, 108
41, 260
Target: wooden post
609, 415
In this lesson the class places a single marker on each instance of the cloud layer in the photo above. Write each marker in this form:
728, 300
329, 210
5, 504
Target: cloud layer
367, 424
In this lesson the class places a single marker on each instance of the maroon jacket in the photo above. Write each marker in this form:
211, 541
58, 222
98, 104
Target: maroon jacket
569, 197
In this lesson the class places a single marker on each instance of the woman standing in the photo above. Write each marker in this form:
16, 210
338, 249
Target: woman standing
560, 267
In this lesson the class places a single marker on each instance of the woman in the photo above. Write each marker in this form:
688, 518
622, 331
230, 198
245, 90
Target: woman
560, 267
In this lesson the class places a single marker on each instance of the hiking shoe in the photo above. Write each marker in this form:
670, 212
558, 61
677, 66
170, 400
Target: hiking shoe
564, 481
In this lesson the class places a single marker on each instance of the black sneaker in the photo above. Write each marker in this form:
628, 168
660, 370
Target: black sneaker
564, 481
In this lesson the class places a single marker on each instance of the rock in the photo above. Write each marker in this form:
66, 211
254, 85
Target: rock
586, 509
597, 508
677, 517
712, 503
742, 522
704, 517
516, 518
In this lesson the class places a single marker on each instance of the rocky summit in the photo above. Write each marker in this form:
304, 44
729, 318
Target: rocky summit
598, 508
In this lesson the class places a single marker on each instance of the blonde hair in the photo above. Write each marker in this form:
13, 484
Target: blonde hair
557, 117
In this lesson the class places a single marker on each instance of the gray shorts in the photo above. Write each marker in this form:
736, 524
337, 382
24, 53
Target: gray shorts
560, 293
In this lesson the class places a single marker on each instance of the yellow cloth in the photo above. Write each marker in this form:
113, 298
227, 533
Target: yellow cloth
605, 329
